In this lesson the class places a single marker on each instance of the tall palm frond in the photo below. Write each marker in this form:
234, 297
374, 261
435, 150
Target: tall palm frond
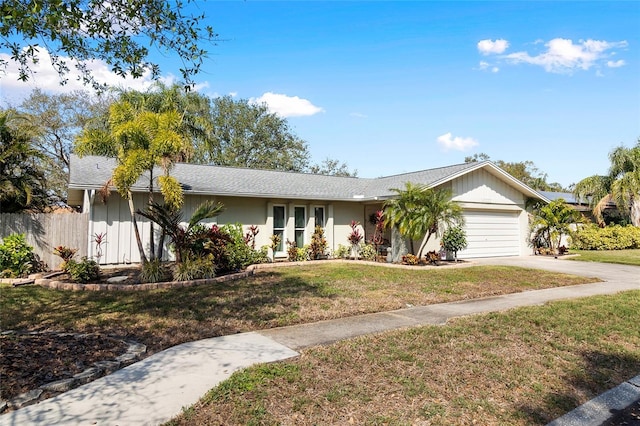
206, 210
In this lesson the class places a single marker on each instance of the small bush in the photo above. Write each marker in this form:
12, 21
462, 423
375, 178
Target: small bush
238, 255
195, 269
154, 271
66, 254
342, 252
410, 259
297, 254
454, 239
433, 257
613, 237
85, 271
318, 246
368, 252
17, 258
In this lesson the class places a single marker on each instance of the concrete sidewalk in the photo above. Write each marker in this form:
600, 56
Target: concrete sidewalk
155, 389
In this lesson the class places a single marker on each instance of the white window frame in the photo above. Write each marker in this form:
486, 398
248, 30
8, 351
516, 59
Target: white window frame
282, 230
324, 217
297, 229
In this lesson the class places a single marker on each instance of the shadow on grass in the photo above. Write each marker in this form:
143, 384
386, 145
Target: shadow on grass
597, 372
222, 308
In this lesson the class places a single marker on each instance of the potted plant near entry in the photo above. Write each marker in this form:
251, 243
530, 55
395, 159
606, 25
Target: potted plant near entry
453, 240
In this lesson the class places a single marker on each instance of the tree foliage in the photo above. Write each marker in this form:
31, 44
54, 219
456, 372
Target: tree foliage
22, 181
419, 212
525, 171
551, 222
55, 120
235, 133
119, 33
621, 186
194, 109
248, 135
332, 167
139, 140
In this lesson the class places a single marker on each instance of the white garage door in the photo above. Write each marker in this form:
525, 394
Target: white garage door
491, 233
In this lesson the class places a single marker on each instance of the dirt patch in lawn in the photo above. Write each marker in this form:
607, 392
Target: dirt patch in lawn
29, 361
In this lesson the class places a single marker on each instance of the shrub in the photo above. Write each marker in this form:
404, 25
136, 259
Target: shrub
318, 246
209, 241
154, 271
66, 253
410, 259
195, 269
295, 253
613, 237
454, 239
368, 252
355, 236
433, 257
85, 271
342, 252
17, 258
238, 255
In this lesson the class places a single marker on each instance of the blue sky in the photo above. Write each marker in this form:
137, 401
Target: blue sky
393, 87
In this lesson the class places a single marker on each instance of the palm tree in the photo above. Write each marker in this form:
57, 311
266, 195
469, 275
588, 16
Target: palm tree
140, 141
420, 212
621, 185
552, 221
22, 181
169, 219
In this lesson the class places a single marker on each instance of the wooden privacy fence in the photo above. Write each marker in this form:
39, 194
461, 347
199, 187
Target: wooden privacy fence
44, 231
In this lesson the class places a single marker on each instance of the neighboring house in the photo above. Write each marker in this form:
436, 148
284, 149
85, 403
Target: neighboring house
582, 206
292, 204
569, 198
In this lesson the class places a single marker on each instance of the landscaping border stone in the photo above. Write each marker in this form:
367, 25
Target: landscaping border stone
101, 368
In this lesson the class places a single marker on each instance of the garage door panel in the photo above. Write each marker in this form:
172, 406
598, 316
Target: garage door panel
491, 233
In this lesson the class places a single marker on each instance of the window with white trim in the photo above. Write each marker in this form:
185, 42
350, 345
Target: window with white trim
279, 226
300, 221
318, 213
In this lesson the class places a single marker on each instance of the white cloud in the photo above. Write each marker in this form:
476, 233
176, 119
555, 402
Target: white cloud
46, 78
489, 47
233, 94
486, 66
287, 106
447, 142
616, 64
563, 56
358, 115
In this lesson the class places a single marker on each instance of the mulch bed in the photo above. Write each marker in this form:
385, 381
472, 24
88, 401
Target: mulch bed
29, 361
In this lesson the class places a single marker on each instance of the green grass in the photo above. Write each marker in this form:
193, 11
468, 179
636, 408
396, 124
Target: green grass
521, 367
624, 257
277, 297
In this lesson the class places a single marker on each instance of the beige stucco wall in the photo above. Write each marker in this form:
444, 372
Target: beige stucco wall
478, 190
113, 218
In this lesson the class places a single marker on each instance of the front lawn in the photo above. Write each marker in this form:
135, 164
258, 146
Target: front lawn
522, 367
624, 257
276, 297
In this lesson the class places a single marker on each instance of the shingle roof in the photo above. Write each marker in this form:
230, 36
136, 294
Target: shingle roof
91, 172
